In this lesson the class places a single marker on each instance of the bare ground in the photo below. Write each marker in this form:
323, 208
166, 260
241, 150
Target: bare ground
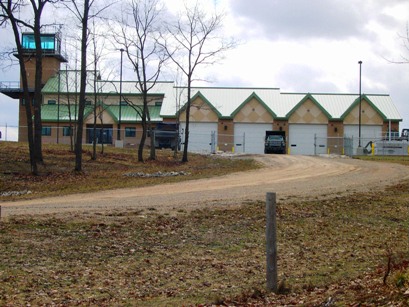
291, 177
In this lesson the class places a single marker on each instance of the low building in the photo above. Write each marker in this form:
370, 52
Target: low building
221, 118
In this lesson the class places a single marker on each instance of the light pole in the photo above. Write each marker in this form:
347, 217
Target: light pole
120, 97
360, 101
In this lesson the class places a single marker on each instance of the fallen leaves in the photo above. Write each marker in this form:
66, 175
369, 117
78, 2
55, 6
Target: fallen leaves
330, 252
116, 168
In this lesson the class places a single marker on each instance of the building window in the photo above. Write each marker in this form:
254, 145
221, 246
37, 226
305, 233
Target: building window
46, 130
123, 103
52, 102
130, 132
158, 103
66, 131
87, 102
47, 41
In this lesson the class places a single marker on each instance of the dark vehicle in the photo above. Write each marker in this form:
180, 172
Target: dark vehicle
167, 136
275, 142
395, 136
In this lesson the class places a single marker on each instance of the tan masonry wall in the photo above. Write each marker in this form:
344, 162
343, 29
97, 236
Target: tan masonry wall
50, 67
225, 135
369, 116
200, 111
308, 113
281, 125
335, 132
335, 129
253, 112
394, 127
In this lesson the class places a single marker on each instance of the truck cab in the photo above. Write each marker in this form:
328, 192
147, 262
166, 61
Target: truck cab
275, 142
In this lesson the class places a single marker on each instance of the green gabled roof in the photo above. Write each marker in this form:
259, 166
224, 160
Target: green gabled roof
53, 113
356, 102
130, 114
253, 96
310, 97
200, 95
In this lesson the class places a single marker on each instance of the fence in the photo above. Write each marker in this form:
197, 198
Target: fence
351, 146
209, 142
334, 145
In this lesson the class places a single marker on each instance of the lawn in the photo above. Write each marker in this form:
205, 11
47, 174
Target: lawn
337, 251
334, 248
109, 171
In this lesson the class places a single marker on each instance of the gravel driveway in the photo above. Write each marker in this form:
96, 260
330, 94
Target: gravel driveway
289, 176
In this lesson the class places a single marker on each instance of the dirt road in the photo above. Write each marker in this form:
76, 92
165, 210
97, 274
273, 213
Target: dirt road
289, 176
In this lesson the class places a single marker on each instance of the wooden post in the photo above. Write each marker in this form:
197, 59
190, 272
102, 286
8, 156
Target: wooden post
271, 237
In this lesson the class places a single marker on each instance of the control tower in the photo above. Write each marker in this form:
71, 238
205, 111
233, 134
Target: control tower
52, 58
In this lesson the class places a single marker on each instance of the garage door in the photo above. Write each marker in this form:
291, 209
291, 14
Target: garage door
368, 133
200, 136
302, 139
249, 138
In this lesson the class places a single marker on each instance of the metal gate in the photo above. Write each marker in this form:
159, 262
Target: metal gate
334, 145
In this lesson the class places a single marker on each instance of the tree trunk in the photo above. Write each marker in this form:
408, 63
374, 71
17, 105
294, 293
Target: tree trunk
37, 93
184, 157
81, 105
153, 136
26, 97
143, 137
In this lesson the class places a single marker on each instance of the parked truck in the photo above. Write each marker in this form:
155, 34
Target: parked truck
167, 136
394, 135
275, 142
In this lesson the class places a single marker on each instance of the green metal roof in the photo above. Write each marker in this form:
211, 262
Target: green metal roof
53, 113
129, 114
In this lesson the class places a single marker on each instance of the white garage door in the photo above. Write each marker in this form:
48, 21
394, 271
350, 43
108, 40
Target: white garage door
368, 133
249, 138
200, 136
302, 139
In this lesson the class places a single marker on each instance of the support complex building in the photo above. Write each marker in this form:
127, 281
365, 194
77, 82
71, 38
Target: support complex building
221, 118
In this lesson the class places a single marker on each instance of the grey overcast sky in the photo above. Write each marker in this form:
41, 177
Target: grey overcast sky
301, 46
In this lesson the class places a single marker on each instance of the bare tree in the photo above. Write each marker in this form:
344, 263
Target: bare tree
69, 104
97, 77
10, 12
405, 43
83, 14
138, 38
191, 42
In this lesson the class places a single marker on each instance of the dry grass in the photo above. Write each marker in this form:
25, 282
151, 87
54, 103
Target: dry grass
336, 248
333, 251
404, 160
107, 172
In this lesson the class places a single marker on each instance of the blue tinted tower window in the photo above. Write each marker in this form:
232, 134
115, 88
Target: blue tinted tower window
47, 41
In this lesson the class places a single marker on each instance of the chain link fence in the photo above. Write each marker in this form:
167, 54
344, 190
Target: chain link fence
207, 142
351, 146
